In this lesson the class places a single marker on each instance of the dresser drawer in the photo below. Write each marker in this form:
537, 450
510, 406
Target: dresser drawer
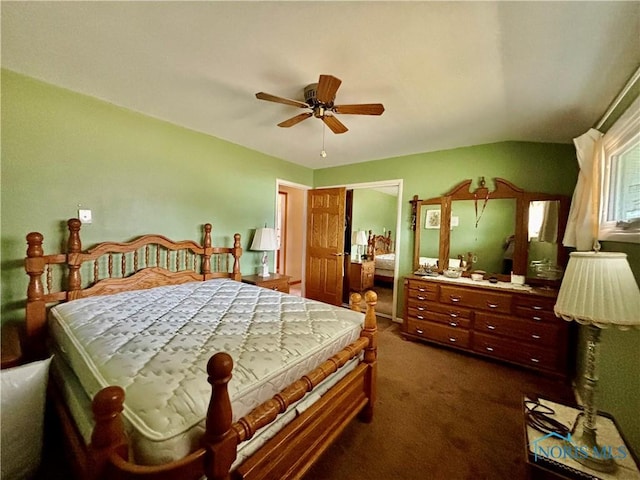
439, 333
539, 309
534, 333
422, 292
514, 351
432, 316
280, 285
473, 298
535, 302
368, 267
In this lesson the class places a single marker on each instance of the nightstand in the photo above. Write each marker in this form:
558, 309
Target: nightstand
361, 275
274, 281
549, 458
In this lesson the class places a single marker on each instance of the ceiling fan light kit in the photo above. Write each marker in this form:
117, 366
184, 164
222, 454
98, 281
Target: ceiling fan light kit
320, 97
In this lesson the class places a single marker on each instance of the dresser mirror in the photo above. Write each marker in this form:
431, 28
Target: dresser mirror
497, 229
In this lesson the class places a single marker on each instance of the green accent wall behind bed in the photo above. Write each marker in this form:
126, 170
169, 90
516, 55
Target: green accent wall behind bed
137, 174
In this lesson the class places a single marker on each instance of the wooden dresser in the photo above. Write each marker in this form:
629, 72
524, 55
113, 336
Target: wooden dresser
274, 281
361, 275
514, 325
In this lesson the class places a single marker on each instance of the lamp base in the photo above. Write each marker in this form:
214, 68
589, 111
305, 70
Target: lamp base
586, 448
264, 271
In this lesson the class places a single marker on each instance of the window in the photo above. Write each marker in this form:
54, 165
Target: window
620, 200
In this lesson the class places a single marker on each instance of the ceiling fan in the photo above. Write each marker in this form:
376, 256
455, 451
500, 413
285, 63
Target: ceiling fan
319, 97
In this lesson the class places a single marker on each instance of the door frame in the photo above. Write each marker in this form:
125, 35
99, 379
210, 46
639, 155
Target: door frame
304, 188
381, 183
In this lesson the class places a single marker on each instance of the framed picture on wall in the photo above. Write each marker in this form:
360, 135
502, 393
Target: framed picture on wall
432, 219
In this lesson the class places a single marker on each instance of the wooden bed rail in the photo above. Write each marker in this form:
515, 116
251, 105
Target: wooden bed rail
111, 267
214, 459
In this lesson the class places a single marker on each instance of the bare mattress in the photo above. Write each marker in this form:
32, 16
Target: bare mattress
156, 343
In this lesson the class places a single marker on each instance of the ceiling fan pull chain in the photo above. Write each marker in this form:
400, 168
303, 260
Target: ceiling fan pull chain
323, 153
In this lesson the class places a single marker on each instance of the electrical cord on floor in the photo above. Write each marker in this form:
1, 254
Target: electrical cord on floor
538, 416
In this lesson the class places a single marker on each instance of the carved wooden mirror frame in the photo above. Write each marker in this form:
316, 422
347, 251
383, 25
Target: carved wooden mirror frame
503, 190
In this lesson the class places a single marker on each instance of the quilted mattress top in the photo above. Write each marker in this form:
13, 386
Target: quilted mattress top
156, 343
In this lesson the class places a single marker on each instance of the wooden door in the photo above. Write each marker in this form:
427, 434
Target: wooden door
325, 244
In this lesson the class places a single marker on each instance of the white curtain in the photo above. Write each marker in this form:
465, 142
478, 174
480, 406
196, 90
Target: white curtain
582, 226
549, 227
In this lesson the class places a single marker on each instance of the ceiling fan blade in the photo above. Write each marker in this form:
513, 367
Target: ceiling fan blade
360, 109
272, 98
334, 124
294, 120
327, 87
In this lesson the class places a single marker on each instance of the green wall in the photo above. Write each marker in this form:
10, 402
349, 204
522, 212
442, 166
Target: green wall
619, 362
549, 168
137, 175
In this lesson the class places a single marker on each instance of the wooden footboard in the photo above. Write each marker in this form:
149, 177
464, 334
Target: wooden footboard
288, 455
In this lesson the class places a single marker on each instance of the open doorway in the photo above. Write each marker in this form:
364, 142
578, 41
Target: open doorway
292, 212
291, 231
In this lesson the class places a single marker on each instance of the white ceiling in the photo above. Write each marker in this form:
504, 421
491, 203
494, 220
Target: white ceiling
449, 74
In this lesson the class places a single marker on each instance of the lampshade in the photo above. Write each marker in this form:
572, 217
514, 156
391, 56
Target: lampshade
361, 238
264, 240
599, 289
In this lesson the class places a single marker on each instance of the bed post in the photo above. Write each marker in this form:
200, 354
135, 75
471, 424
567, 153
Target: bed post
36, 313
370, 331
206, 257
237, 252
74, 247
220, 440
108, 435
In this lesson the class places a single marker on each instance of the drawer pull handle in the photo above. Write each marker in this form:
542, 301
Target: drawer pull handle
453, 340
422, 289
419, 317
537, 307
535, 360
421, 309
454, 298
419, 331
420, 297
537, 319
492, 305
453, 324
535, 336
491, 327
453, 314
489, 349
275, 288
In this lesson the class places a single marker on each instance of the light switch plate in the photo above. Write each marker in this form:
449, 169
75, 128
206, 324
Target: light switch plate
84, 216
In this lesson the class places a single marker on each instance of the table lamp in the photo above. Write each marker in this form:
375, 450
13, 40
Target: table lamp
264, 240
598, 290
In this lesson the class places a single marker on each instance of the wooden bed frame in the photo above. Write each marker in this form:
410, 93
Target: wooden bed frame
154, 260
379, 245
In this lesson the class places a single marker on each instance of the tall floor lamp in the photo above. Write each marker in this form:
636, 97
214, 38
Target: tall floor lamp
598, 290
266, 241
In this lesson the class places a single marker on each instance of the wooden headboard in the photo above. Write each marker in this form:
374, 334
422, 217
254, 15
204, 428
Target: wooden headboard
379, 244
112, 267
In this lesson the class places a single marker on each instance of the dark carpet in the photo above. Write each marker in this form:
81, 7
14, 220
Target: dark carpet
439, 414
